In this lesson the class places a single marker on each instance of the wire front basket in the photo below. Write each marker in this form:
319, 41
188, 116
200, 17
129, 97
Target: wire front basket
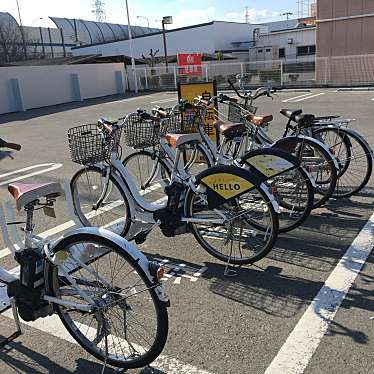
231, 112
88, 145
181, 122
140, 133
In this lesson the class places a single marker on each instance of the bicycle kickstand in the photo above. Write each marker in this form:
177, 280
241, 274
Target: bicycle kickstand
16, 334
230, 269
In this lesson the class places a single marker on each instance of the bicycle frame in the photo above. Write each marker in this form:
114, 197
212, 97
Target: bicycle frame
79, 254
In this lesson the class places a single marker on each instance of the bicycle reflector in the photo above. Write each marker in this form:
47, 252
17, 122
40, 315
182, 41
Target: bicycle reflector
156, 270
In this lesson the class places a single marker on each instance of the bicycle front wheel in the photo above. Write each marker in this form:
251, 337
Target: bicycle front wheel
127, 325
94, 207
250, 223
150, 174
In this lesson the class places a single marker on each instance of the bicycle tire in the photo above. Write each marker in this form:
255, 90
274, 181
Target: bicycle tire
119, 219
69, 318
151, 174
200, 157
324, 187
354, 164
284, 184
257, 198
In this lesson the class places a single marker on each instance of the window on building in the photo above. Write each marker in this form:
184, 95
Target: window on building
306, 50
260, 51
282, 52
268, 50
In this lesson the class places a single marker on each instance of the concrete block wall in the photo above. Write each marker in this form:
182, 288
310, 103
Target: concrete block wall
23, 88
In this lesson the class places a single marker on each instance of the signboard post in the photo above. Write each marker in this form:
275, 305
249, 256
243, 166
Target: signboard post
188, 91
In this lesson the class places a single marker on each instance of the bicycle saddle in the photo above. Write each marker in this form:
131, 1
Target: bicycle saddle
26, 193
289, 113
259, 120
229, 129
177, 140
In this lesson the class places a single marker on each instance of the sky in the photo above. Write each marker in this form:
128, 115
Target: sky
184, 12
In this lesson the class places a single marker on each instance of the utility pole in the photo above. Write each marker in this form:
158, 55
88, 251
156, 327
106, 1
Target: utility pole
167, 20
131, 48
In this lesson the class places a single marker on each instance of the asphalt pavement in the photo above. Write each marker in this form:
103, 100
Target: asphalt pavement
217, 324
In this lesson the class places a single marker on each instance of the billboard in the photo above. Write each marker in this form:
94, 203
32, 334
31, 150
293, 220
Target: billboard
188, 91
190, 64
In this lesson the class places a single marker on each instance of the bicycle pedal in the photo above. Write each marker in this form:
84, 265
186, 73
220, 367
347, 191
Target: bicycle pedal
141, 237
10, 338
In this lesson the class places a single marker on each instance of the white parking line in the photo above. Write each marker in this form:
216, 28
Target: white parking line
50, 167
296, 97
67, 225
303, 341
309, 97
53, 326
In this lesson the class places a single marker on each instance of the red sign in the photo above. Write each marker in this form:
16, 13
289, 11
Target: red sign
190, 63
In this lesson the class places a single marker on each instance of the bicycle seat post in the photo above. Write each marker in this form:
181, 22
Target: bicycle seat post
176, 162
29, 208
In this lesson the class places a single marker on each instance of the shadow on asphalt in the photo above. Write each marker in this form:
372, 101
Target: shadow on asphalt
44, 111
22, 359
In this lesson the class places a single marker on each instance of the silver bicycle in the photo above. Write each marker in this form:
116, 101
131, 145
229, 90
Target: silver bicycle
105, 291
228, 209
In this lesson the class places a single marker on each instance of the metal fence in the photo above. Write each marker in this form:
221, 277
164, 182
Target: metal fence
307, 71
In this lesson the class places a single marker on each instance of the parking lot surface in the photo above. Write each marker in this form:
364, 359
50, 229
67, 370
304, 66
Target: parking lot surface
244, 324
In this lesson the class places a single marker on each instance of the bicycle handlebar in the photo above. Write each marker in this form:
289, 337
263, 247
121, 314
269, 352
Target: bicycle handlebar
5, 144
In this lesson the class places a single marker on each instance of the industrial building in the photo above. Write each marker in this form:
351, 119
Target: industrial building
345, 41
246, 42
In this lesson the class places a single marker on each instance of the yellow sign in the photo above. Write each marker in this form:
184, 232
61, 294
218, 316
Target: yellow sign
269, 165
227, 185
188, 91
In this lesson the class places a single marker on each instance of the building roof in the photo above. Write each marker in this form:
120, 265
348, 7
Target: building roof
91, 32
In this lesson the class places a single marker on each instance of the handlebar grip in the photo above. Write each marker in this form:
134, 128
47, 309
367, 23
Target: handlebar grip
15, 146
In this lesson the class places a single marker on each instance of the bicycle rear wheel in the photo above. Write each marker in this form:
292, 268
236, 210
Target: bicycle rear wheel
353, 156
128, 324
250, 226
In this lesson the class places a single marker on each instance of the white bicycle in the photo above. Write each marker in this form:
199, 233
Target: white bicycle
105, 291
228, 209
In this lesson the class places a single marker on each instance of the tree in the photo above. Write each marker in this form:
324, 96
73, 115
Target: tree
12, 42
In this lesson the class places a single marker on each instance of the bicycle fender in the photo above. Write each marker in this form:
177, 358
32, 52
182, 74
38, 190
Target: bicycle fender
269, 162
224, 183
312, 140
120, 242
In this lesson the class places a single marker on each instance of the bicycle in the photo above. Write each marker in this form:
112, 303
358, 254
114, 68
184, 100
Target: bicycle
229, 210
100, 309
289, 183
353, 154
314, 155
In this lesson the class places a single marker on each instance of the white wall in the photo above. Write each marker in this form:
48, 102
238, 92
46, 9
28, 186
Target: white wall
198, 40
50, 85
